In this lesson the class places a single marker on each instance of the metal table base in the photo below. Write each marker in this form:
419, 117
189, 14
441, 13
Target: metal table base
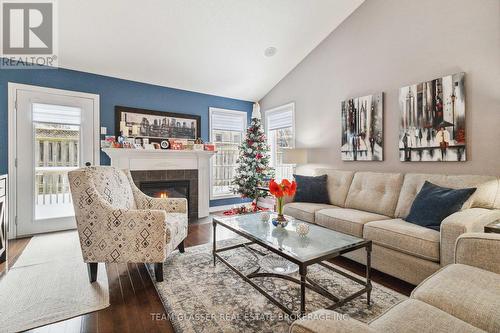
304, 281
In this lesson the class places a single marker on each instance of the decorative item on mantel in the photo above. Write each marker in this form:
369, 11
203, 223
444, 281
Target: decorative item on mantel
279, 191
198, 145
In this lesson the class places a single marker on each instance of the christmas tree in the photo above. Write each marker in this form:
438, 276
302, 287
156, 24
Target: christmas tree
253, 162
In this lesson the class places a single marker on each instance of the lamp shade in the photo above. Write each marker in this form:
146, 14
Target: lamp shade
295, 156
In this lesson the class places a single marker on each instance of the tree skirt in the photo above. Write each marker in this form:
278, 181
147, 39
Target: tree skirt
201, 298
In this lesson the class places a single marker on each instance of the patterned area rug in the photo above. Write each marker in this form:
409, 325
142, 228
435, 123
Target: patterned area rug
201, 298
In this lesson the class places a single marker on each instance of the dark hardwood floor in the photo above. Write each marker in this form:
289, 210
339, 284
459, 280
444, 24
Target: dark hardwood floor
133, 296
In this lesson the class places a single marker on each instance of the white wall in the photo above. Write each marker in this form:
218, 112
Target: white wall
387, 44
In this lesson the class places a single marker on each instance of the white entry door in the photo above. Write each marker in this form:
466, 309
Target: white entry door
55, 132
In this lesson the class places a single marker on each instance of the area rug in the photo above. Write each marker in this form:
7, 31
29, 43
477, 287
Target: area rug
49, 283
200, 298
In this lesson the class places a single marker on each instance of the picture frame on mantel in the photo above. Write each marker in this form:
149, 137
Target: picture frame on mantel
156, 125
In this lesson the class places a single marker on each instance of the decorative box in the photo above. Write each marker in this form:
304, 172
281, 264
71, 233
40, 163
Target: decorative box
198, 146
209, 147
176, 145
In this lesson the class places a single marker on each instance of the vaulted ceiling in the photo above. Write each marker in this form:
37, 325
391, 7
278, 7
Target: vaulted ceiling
211, 46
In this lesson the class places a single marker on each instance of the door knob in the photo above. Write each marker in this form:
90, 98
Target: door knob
87, 164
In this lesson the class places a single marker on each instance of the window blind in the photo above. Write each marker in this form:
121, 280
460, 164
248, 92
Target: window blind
58, 114
228, 120
279, 119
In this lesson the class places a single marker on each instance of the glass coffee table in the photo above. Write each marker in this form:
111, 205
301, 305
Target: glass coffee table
319, 245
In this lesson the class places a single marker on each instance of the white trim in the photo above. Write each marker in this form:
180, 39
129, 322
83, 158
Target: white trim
281, 108
13, 88
223, 196
214, 209
159, 159
242, 114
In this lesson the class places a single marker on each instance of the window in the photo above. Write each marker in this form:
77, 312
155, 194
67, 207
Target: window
227, 129
280, 128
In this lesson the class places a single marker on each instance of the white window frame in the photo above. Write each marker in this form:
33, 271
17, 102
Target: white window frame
279, 109
236, 113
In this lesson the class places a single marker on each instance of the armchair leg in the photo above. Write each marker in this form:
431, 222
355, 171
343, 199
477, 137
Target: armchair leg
181, 247
159, 271
92, 270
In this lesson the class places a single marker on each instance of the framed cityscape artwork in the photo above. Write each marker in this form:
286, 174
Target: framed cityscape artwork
156, 125
432, 124
362, 128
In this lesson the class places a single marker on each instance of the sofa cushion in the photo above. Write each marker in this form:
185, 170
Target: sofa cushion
434, 203
405, 237
487, 195
468, 293
413, 316
303, 210
374, 192
345, 220
338, 183
311, 189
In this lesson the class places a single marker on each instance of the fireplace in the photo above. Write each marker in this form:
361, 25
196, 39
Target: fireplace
170, 184
166, 189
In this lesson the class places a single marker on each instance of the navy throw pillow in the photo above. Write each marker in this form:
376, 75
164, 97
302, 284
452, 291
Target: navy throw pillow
434, 203
311, 189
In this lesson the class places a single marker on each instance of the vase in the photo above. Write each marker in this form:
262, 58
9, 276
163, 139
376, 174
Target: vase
280, 221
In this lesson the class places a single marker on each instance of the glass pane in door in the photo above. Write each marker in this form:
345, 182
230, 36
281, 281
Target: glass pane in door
57, 151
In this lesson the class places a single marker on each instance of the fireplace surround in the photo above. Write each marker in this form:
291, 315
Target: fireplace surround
169, 163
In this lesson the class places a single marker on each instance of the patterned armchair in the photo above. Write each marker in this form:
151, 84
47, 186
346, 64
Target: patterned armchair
118, 223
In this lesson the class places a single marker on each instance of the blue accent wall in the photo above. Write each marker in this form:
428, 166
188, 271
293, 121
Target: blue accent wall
113, 91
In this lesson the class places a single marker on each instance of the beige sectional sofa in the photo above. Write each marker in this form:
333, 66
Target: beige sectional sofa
462, 297
373, 206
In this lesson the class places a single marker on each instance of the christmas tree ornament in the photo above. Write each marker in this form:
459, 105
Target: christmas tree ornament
256, 111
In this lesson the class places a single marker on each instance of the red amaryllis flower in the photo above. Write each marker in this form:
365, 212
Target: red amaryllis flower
285, 188
289, 188
275, 189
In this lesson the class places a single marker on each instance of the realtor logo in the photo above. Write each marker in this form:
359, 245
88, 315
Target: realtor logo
28, 34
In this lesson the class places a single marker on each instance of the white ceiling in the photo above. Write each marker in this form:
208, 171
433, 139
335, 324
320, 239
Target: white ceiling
209, 46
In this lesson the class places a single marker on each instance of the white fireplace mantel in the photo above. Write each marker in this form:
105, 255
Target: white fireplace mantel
142, 159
